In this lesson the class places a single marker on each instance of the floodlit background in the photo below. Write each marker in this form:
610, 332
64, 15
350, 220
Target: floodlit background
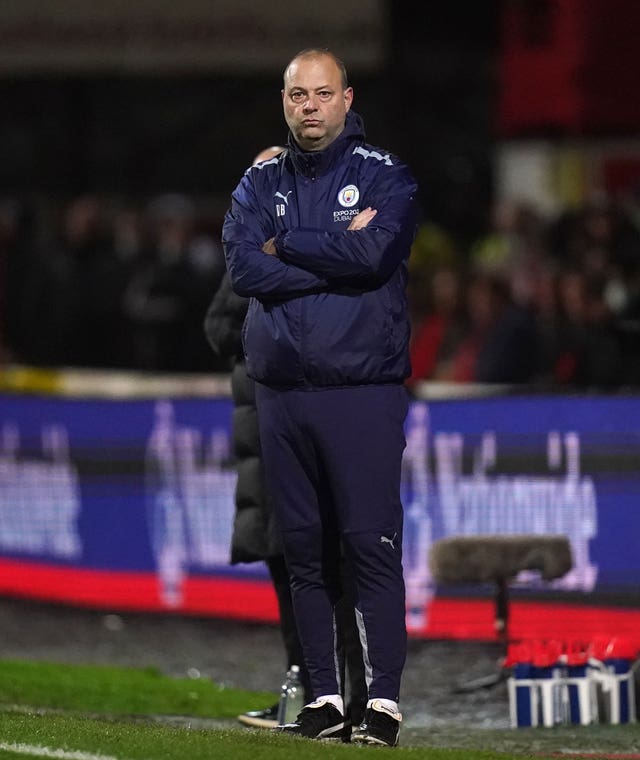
125, 126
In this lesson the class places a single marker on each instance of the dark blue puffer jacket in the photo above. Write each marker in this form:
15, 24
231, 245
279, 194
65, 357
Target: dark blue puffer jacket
330, 310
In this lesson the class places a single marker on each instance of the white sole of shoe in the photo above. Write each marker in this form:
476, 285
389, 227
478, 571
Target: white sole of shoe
372, 740
257, 722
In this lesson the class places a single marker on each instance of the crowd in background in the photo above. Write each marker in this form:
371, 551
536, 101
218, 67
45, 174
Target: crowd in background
551, 303
108, 284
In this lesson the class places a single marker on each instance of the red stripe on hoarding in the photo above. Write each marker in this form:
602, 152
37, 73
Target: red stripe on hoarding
214, 596
473, 619
78, 586
255, 600
231, 597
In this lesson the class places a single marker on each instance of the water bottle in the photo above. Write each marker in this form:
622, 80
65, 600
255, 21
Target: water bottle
547, 671
291, 697
523, 694
580, 686
619, 657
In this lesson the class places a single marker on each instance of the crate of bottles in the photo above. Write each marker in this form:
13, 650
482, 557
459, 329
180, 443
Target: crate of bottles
555, 682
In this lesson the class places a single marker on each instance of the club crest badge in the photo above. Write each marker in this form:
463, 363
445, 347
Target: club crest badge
348, 196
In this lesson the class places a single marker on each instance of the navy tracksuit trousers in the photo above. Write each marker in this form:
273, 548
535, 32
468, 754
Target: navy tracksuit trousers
332, 460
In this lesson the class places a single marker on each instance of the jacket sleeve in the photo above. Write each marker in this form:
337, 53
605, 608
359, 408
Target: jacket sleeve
366, 257
253, 272
224, 319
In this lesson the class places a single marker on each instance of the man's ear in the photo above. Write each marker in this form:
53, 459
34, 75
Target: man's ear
348, 97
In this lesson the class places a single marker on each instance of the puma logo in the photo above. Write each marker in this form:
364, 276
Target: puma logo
385, 540
285, 198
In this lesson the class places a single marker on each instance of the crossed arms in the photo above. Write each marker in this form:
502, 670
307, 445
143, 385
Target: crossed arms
304, 260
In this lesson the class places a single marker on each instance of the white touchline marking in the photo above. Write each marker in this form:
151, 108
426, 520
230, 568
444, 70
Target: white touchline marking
62, 754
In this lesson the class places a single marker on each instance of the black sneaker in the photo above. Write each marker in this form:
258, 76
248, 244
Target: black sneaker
267, 718
380, 726
319, 720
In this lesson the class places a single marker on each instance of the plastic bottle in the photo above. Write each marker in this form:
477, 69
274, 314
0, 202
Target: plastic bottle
580, 687
523, 694
547, 668
619, 658
291, 697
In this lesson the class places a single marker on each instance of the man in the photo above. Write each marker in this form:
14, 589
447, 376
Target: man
319, 238
255, 535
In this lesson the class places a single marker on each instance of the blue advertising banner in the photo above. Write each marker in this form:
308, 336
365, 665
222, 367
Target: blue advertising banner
541, 465
145, 488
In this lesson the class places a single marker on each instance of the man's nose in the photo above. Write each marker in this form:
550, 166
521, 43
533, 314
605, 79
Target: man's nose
310, 103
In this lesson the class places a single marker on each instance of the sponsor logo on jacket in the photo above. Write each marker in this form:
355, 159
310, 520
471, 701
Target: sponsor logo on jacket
345, 214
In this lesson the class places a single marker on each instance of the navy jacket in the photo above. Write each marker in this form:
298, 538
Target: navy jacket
330, 310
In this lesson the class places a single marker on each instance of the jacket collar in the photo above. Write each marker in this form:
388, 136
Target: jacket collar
316, 163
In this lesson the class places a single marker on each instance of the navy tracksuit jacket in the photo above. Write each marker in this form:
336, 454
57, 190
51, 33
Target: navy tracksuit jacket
326, 338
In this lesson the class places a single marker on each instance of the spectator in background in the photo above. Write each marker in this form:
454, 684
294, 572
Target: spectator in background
15, 263
73, 294
256, 535
597, 249
603, 239
514, 237
129, 247
587, 349
170, 290
443, 327
500, 345
433, 249
627, 321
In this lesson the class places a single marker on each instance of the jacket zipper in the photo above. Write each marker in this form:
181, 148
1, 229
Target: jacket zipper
303, 301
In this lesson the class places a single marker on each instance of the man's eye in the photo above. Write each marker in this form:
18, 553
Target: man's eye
324, 94
297, 97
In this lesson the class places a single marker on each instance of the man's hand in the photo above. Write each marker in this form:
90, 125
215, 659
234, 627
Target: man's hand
361, 220
270, 248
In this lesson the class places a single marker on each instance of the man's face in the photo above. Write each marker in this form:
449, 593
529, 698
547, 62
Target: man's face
315, 103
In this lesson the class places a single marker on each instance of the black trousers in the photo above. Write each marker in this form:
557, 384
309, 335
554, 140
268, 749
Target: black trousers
332, 461
349, 648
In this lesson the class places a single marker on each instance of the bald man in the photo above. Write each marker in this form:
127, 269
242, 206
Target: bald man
319, 237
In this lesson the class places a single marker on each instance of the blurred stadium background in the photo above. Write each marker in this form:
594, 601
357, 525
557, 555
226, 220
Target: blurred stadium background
125, 126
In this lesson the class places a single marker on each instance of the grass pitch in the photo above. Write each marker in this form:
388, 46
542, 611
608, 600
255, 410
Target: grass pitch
104, 713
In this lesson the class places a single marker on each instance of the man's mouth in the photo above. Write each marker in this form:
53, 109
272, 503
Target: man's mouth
311, 122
